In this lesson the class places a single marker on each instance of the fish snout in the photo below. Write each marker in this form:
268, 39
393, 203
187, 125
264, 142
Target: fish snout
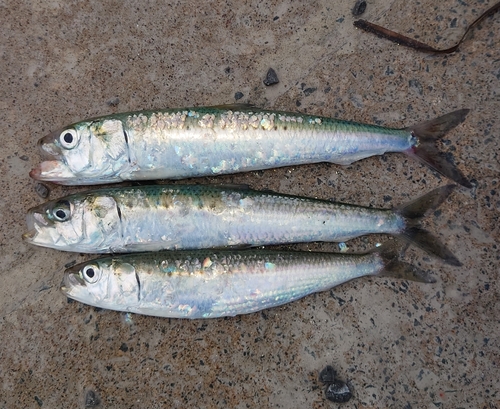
70, 281
31, 221
51, 171
47, 147
39, 229
35, 173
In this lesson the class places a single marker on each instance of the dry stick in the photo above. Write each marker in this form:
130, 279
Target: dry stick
417, 45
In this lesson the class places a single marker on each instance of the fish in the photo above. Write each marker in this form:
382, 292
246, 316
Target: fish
221, 283
209, 141
184, 217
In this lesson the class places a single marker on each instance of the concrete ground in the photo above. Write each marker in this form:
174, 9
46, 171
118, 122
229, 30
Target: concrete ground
399, 344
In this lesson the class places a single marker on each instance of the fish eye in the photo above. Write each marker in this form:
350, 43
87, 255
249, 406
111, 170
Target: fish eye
91, 273
68, 138
61, 211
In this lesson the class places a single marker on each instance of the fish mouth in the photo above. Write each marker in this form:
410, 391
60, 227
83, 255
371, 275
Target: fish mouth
48, 150
29, 237
40, 231
53, 167
36, 173
70, 282
33, 220
51, 171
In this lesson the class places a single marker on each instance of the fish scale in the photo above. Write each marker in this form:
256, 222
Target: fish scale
233, 140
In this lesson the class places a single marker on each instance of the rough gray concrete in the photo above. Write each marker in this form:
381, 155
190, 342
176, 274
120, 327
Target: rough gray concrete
401, 344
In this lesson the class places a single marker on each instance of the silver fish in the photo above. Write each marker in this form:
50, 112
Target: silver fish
175, 217
207, 141
210, 284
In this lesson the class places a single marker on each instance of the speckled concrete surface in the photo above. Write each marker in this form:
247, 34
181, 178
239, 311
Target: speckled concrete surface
400, 344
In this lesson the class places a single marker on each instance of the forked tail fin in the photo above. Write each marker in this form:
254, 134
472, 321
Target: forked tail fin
414, 211
390, 253
425, 151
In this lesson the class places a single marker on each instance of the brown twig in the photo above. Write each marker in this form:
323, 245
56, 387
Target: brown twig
417, 45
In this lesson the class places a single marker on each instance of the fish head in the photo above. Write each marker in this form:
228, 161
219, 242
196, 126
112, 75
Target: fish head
105, 283
83, 222
88, 152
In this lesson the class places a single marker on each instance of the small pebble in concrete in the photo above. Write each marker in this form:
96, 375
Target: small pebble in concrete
416, 86
327, 375
91, 399
113, 102
238, 95
359, 8
309, 91
338, 392
42, 190
39, 401
271, 77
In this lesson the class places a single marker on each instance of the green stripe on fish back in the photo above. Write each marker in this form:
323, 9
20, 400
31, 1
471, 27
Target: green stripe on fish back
219, 197
211, 262
245, 119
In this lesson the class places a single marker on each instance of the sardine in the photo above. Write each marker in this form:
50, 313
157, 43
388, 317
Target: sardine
176, 217
210, 284
192, 142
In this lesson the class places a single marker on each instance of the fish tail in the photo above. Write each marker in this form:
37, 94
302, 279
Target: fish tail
414, 211
390, 253
427, 133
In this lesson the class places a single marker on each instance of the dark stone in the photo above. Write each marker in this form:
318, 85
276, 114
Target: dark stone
327, 375
91, 399
271, 77
42, 190
309, 91
338, 392
359, 8
238, 95
417, 86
